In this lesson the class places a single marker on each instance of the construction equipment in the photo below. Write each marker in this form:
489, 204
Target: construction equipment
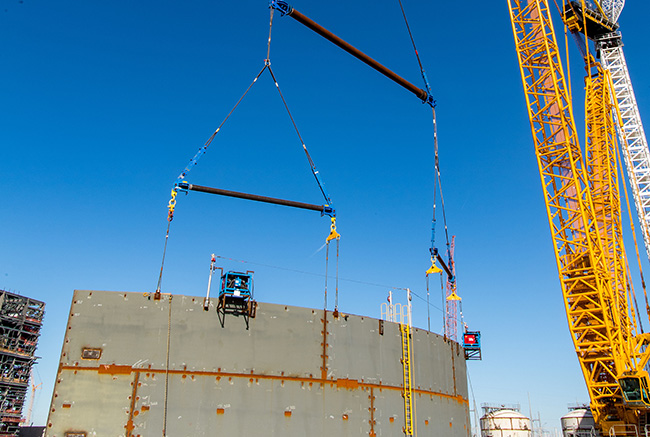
599, 24
401, 314
236, 296
407, 357
583, 205
472, 345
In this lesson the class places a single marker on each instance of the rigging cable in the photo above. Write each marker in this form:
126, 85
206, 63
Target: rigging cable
193, 162
435, 140
172, 202
333, 234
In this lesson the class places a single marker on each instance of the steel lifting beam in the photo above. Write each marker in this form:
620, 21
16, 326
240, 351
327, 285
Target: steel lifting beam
444, 266
323, 209
286, 9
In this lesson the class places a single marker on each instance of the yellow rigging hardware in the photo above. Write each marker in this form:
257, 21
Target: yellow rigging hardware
409, 411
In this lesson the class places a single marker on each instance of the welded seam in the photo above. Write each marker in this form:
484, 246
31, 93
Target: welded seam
323, 372
361, 385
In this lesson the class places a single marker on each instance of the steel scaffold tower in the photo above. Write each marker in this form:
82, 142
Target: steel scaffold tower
20, 326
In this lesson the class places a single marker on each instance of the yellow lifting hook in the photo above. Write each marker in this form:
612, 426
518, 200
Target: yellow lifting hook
333, 234
171, 205
434, 268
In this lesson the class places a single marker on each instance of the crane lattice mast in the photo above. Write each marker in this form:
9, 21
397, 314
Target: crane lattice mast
583, 207
632, 134
582, 266
451, 298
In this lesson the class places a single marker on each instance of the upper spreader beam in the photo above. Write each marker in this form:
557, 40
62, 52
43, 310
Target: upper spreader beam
286, 9
323, 209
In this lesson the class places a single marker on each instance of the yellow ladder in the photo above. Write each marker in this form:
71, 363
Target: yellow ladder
409, 412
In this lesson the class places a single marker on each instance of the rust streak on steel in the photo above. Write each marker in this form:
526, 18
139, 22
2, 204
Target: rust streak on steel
323, 369
302, 19
129, 425
362, 385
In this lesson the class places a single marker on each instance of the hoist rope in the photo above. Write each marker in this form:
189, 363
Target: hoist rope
435, 187
428, 304
417, 55
170, 216
162, 264
314, 170
333, 234
327, 263
444, 306
336, 298
438, 176
435, 141
203, 149
268, 45
205, 146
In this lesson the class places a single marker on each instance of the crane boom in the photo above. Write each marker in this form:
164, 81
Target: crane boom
583, 268
635, 150
584, 208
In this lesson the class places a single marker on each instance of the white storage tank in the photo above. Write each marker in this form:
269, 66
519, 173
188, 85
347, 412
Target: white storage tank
579, 422
504, 422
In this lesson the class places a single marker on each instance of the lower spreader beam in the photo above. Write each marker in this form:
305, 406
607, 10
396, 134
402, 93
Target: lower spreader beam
323, 209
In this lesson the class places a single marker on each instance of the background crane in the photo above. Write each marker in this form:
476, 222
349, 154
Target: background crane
583, 208
599, 23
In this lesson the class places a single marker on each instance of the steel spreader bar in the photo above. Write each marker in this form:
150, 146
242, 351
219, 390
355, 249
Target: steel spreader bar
286, 9
323, 209
450, 275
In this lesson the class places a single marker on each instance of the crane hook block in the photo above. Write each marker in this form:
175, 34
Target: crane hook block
282, 6
333, 234
434, 268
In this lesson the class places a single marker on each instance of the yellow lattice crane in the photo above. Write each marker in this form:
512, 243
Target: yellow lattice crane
583, 207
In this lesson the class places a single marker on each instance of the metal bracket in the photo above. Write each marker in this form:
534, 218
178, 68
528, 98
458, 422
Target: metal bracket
282, 6
430, 101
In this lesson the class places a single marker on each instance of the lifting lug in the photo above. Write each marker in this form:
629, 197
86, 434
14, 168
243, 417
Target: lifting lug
328, 211
282, 6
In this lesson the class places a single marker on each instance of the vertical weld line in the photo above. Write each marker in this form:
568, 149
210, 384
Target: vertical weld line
169, 329
129, 424
453, 368
372, 413
323, 372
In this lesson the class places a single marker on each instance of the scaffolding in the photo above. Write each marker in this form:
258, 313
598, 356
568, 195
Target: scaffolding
20, 326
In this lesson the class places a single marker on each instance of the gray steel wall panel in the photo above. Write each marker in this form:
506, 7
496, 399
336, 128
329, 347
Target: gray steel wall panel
258, 382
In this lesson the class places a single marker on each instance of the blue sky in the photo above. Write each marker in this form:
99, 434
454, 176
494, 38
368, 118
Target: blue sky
104, 103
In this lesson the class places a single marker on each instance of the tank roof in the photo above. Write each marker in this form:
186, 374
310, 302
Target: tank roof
511, 414
580, 412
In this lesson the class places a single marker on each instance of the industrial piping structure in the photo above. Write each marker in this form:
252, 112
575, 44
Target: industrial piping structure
20, 326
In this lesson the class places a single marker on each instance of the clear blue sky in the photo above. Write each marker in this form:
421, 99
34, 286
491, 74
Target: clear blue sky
104, 103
